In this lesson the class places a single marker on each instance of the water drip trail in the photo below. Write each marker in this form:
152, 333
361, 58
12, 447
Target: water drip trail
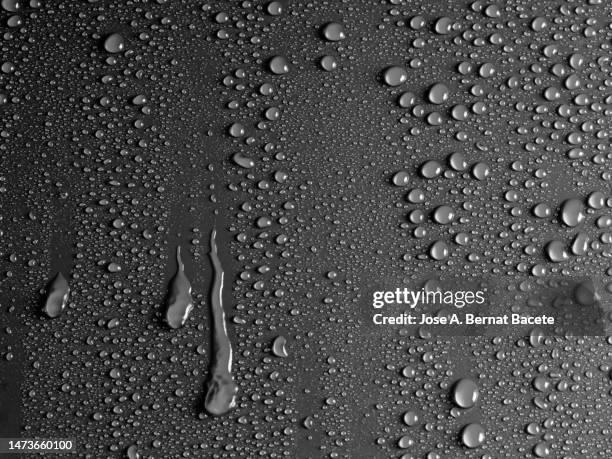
221, 394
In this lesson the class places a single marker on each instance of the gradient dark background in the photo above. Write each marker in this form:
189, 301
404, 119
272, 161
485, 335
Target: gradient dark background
92, 173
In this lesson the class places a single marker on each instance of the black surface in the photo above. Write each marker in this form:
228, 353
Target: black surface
76, 154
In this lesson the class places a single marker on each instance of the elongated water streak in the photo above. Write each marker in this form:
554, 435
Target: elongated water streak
221, 394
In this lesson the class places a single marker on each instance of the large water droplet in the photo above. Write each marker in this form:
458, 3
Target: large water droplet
465, 393
279, 65
555, 251
114, 43
572, 212
180, 302
395, 75
57, 296
473, 435
334, 31
438, 94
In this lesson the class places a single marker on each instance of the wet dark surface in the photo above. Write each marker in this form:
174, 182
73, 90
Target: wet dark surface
332, 145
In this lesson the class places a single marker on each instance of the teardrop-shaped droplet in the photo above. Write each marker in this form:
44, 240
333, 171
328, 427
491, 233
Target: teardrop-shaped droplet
580, 244
180, 302
405, 442
243, 161
57, 296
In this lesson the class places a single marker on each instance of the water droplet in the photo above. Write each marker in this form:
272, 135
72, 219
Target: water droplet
438, 93
431, 169
572, 212
113, 267
465, 393
443, 215
278, 347
541, 449
439, 251
481, 171
329, 63
132, 452
555, 251
411, 418
443, 25
179, 302
279, 65
401, 178
473, 435
395, 75
243, 161
114, 43
334, 31
57, 296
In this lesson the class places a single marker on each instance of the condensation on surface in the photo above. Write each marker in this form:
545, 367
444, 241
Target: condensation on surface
330, 144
